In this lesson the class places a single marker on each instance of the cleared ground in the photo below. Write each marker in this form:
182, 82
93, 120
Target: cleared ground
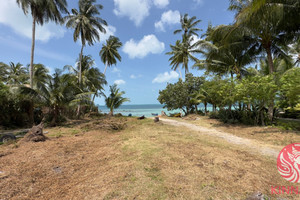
146, 160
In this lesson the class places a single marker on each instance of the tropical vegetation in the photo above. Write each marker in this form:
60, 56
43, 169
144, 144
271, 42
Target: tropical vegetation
251, 72
115, 99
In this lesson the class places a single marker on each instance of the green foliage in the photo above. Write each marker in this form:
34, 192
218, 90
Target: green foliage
86, 22
109, 53
115, 99
290, 87
180, 95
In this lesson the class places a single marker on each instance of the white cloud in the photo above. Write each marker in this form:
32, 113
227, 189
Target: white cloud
161, 3
115, 70
136, 10
168, 18
166, 77
199, 2
13, 16
149, 44
110, 30
135, 76
120, 82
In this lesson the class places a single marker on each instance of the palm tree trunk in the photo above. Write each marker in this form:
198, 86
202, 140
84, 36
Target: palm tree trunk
270, 60
106, 64
205, 108
32, 52
80, 78
111, 113
271, 69
180, 73
80, 67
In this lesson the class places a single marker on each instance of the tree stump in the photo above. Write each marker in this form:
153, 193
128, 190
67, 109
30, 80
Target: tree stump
142, 117
35, 134
156, 119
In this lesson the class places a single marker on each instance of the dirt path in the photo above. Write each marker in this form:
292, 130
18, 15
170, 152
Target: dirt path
252, 145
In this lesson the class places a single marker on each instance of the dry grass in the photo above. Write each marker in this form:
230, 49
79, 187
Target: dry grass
144, 161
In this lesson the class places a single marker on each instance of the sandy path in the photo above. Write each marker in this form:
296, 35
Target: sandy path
252, 145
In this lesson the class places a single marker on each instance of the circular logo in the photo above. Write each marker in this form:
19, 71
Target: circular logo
288, 163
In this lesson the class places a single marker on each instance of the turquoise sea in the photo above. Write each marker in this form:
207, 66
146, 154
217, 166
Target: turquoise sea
140, 110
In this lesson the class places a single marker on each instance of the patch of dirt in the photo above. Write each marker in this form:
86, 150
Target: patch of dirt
253, 145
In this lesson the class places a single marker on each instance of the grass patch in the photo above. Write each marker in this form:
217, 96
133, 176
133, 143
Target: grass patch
146, 160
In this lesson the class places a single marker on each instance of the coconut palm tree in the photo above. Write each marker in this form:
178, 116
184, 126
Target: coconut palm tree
87, 25
296, 50
226, 54
92, 79
265, 24
271, 32
41, 77
42, 11
181, 53
14, 74
188, 26
115, 99
109, 53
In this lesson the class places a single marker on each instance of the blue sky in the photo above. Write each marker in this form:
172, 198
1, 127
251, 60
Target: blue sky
145, 28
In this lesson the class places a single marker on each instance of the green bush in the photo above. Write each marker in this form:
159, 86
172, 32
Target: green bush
214, 115
238, 116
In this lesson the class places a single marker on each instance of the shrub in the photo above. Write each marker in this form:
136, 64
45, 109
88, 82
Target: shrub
214, 115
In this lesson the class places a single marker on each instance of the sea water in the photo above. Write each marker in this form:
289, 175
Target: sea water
139, 110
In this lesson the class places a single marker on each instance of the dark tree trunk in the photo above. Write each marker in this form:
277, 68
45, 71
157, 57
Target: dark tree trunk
205, 108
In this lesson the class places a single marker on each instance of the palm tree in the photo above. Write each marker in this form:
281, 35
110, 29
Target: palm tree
296, 50
41, 77
183, 50
271, 32
14, 74
115, 99
181, 54
109, 52
92, 79
226, 54
265, 24
188, 26
87, 25
42, 11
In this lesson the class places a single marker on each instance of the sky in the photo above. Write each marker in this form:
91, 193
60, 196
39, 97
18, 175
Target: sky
145, 27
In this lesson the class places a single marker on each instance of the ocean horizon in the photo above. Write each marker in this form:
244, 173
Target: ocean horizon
142, 109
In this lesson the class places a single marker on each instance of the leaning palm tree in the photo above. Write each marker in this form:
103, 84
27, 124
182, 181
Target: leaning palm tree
42, 11
86, 24
109, 53
115, 99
